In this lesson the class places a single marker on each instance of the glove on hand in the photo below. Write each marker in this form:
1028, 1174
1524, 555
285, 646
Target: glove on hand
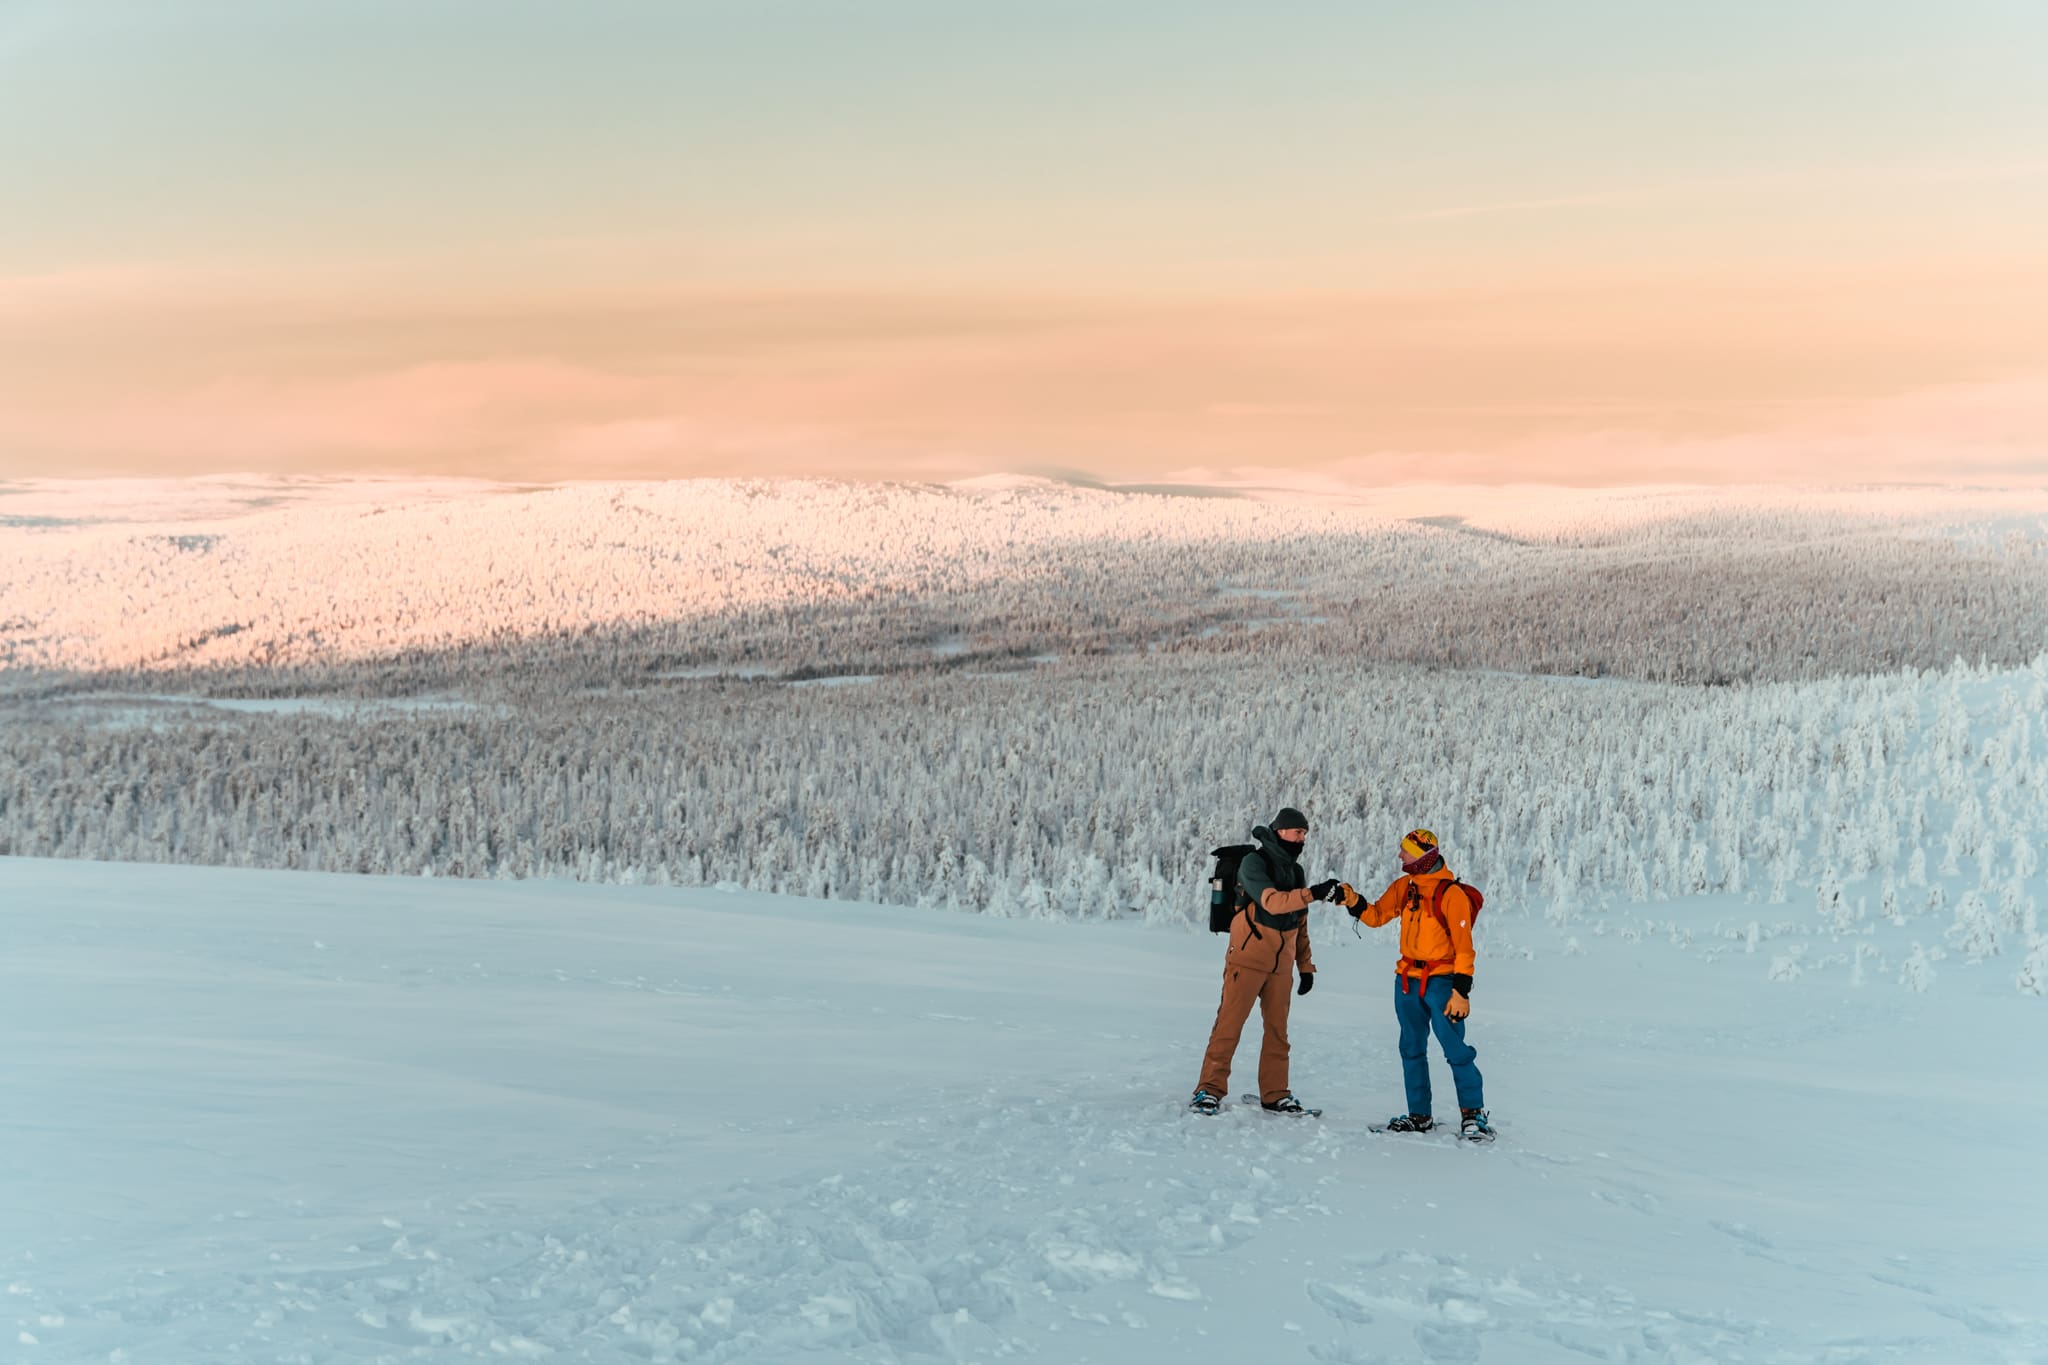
1346, 896
1323, 891
1308, 983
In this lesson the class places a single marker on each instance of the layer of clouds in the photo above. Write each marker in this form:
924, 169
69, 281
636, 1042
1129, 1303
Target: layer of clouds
133, 373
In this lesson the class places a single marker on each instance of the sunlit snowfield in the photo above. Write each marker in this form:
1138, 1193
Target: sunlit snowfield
274, 1116
1756, 782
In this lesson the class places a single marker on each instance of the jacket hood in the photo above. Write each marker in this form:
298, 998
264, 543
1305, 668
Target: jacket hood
1270, 842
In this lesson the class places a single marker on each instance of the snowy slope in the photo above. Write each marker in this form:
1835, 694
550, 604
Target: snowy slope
324, 577
273, 1116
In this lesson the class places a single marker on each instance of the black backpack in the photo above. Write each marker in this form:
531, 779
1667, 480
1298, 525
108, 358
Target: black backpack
1226, 897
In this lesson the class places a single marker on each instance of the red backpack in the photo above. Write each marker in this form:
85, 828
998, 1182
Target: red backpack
1436, 902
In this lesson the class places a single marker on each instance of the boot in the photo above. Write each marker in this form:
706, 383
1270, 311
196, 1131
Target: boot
1205, 1103
1473, 1126
1410, 1123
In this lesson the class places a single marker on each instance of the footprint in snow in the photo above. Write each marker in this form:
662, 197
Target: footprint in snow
1340, 1302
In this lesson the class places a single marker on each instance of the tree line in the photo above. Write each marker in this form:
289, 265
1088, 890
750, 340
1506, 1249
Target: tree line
1095, 789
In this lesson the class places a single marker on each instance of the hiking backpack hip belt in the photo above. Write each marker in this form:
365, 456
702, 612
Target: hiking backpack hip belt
1414, 969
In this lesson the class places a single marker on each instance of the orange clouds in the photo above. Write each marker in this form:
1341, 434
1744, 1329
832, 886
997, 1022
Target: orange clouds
384, 420
1916, 375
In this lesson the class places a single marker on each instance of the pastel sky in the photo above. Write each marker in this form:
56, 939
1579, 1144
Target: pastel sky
1577, 240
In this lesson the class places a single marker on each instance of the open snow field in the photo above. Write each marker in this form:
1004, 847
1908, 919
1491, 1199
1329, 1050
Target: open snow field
273, 1116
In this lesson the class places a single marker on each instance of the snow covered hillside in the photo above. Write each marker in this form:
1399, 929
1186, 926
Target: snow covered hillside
1878, 821
369, 587
302, 1117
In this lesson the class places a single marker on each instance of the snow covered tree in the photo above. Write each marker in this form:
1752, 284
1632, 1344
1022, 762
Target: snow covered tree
1973, 932
2033, 977
1918, 972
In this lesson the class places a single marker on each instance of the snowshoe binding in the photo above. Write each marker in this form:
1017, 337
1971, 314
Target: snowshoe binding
1205, 1103
1286, 1104
1406, 1123
1473, 1126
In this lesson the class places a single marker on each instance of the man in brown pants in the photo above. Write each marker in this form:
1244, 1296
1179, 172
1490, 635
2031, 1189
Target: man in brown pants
1268, 943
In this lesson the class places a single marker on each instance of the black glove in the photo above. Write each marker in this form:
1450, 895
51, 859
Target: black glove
1308, 983
1323, 891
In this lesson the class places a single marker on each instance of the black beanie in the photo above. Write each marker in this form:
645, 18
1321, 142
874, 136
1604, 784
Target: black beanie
1289, 818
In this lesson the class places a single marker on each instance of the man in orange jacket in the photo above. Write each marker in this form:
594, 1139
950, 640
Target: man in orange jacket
1433, 984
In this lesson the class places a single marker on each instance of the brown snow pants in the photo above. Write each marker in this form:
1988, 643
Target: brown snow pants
1241, 986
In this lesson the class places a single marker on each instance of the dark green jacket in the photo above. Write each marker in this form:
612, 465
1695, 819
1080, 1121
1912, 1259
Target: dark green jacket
1274, 928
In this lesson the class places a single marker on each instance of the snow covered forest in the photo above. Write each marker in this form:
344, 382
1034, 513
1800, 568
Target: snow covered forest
383, 588
1035, 700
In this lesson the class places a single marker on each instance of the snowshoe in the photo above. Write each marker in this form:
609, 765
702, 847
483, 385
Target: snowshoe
1205, 1103
1406, 1123
1286, 1104
1473, 1127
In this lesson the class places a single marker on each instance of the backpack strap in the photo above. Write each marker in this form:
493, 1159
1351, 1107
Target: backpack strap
1415, 970
1246, 905
1436, 905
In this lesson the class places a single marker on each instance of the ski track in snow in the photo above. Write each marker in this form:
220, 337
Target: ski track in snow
293, 1117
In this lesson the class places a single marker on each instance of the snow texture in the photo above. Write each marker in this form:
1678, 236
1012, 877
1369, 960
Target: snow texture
300, 1117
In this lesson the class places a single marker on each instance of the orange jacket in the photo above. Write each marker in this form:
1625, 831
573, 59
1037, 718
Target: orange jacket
1423, 942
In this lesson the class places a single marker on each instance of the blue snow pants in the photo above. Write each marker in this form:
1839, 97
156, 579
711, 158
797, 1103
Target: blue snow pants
1420, 1011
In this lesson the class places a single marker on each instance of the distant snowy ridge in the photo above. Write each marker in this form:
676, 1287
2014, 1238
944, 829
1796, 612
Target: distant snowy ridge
354, 587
